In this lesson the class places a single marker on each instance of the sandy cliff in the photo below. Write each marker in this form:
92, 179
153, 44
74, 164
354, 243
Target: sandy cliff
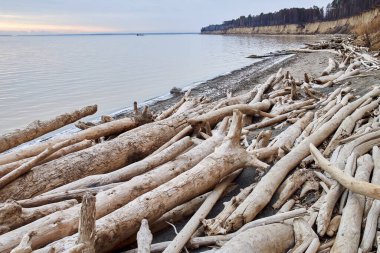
328, 27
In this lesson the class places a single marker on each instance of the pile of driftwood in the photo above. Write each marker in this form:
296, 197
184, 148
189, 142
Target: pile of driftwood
121, 180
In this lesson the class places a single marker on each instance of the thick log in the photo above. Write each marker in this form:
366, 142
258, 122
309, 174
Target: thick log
26, 167
266, 187
304, 235
110, 200
359, 146
262, 89
330, 78
226, 159
265, 239
129, 171
214, 117
25, 245
144, 237
41, 200
369, 233
348, 125
333, 226
353, 184
214, 226
330, 68
197, 242
348, 237
188, 230
93, 133
39, 128
12, 215
287, 138
102, 158
6, 168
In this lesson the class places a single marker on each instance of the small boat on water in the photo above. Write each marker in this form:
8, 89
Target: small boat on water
139, 34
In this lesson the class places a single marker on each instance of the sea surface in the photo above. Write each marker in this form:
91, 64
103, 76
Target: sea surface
44, 76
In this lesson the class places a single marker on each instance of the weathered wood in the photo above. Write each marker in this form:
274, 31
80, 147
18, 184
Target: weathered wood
110, 200
188, 230
26, 167
167, 113
25, 245
304, 235
129, 171
265, 239
348, 237
12, 215
39, 128
214, 226
227, 158
333, 226
6, 168
266, 187
101, 158
330, 68
144, 237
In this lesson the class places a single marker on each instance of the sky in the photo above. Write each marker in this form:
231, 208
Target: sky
118, 16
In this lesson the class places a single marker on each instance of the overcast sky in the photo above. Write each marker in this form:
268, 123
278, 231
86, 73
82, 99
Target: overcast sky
88, 16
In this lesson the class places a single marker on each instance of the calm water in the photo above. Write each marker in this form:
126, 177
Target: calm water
43, 76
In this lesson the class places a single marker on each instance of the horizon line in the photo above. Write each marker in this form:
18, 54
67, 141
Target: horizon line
92, 34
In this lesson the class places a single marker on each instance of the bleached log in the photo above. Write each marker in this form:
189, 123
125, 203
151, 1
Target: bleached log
266, 187
39, 128
241, 99
41, 200
304, 235
347, 75
130, 171
167, 113
262, 89
178, 213
330, 68
268, 122
332, 96
12, 215
187, 130
26, 167
348, 237
188, 230
290, 185
265, 239
110, 200
347, 126
213, 117
93, 133
329, 78
144, 237
101, 158
197, 242
6, 168
333, 226
354, 185
189, 105
287, 206
214, 226
369, 233
25, 245
291, 107
287, 138
262, 139
329, 182
226, 159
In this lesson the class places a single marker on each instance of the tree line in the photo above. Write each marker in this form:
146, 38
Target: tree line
333, 11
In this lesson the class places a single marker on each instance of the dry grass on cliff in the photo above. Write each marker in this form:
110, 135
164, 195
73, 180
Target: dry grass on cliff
369, 34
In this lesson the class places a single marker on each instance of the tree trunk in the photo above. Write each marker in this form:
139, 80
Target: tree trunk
130, 171
102, 158
39, 128
12, 215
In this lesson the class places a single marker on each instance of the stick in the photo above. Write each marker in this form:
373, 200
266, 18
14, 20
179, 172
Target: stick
144, 237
